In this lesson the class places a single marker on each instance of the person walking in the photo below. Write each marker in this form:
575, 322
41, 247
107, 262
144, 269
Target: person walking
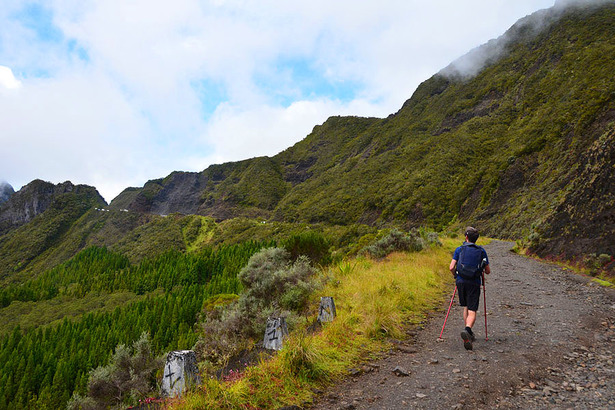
468, 263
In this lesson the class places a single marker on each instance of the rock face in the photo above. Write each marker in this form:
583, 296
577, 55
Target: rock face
6, 190
180, 373
250, 188
179, 192
34, 199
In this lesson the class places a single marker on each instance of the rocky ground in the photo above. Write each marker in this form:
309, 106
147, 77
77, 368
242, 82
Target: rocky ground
551, 343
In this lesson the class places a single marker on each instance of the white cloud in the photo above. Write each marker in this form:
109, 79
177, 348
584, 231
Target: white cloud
237, 133
7, 79
134, 90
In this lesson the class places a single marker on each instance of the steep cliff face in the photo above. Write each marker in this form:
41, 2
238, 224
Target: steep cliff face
585, 219
179, 192
36, 197
6, 190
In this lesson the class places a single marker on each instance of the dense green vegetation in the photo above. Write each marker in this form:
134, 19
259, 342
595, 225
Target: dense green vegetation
43, 366
38, 238
376, 300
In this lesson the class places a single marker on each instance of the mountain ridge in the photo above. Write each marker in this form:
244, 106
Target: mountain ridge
511, 149
498, 140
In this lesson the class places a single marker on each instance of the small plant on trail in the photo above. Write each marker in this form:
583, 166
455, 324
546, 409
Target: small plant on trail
596, 263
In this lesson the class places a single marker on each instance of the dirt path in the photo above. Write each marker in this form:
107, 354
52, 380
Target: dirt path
551, 345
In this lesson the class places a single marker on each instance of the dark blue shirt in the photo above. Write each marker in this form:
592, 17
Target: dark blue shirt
456, 257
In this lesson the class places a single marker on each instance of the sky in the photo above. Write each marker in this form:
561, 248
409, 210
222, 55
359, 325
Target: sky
113, 93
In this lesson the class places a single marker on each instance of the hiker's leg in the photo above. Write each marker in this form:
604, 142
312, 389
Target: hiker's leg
469, 317
473, 297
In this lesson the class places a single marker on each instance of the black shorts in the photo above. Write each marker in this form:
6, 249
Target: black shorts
469, 295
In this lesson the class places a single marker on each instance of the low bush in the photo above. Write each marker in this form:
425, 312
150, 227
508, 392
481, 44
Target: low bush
129, 377
274, 286
396, 241
311, 244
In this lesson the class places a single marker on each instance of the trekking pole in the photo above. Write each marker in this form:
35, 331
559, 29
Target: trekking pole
448, 311
485, 306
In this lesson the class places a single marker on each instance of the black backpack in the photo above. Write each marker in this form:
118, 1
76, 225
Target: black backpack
470, 263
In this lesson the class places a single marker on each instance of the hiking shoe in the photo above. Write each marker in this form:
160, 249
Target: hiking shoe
467, 340
471, 333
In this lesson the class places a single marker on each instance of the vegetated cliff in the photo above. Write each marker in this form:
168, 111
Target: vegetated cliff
6, 190
38, 218
514, 137
36, 197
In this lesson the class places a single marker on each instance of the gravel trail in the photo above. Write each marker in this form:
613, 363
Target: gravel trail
551, 344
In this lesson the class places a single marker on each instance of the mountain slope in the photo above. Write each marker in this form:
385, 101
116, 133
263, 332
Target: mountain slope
38, 220
34, 198
503, 149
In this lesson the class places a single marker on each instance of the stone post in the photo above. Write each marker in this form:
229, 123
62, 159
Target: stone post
275, 333
326, 312
180, 373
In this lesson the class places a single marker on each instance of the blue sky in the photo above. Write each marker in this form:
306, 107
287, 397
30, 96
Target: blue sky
112, 93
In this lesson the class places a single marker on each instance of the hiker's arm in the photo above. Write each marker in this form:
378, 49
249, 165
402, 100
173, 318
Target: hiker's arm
452, 266
487, 269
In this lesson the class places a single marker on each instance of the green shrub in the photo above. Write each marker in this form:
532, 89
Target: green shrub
129, 376
274, 286
311, 244
395, 241
604, 259
430, 237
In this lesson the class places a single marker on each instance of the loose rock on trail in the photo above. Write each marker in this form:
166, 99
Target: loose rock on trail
551, 345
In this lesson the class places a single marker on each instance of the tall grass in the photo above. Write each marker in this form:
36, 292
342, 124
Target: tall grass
376, 301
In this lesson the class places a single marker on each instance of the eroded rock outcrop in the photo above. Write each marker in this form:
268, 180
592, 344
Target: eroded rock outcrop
35, 198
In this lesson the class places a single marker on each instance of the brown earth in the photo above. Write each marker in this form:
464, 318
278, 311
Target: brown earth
551, 344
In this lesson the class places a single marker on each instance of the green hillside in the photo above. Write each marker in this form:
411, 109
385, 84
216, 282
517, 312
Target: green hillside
512, 150
523, 148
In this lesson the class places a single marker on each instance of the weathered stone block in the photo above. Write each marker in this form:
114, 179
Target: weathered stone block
180, 373
326, 313
275, 333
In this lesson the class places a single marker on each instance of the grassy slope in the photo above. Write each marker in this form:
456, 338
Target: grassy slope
375, 301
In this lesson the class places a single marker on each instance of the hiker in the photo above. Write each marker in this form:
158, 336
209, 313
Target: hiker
469, 261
